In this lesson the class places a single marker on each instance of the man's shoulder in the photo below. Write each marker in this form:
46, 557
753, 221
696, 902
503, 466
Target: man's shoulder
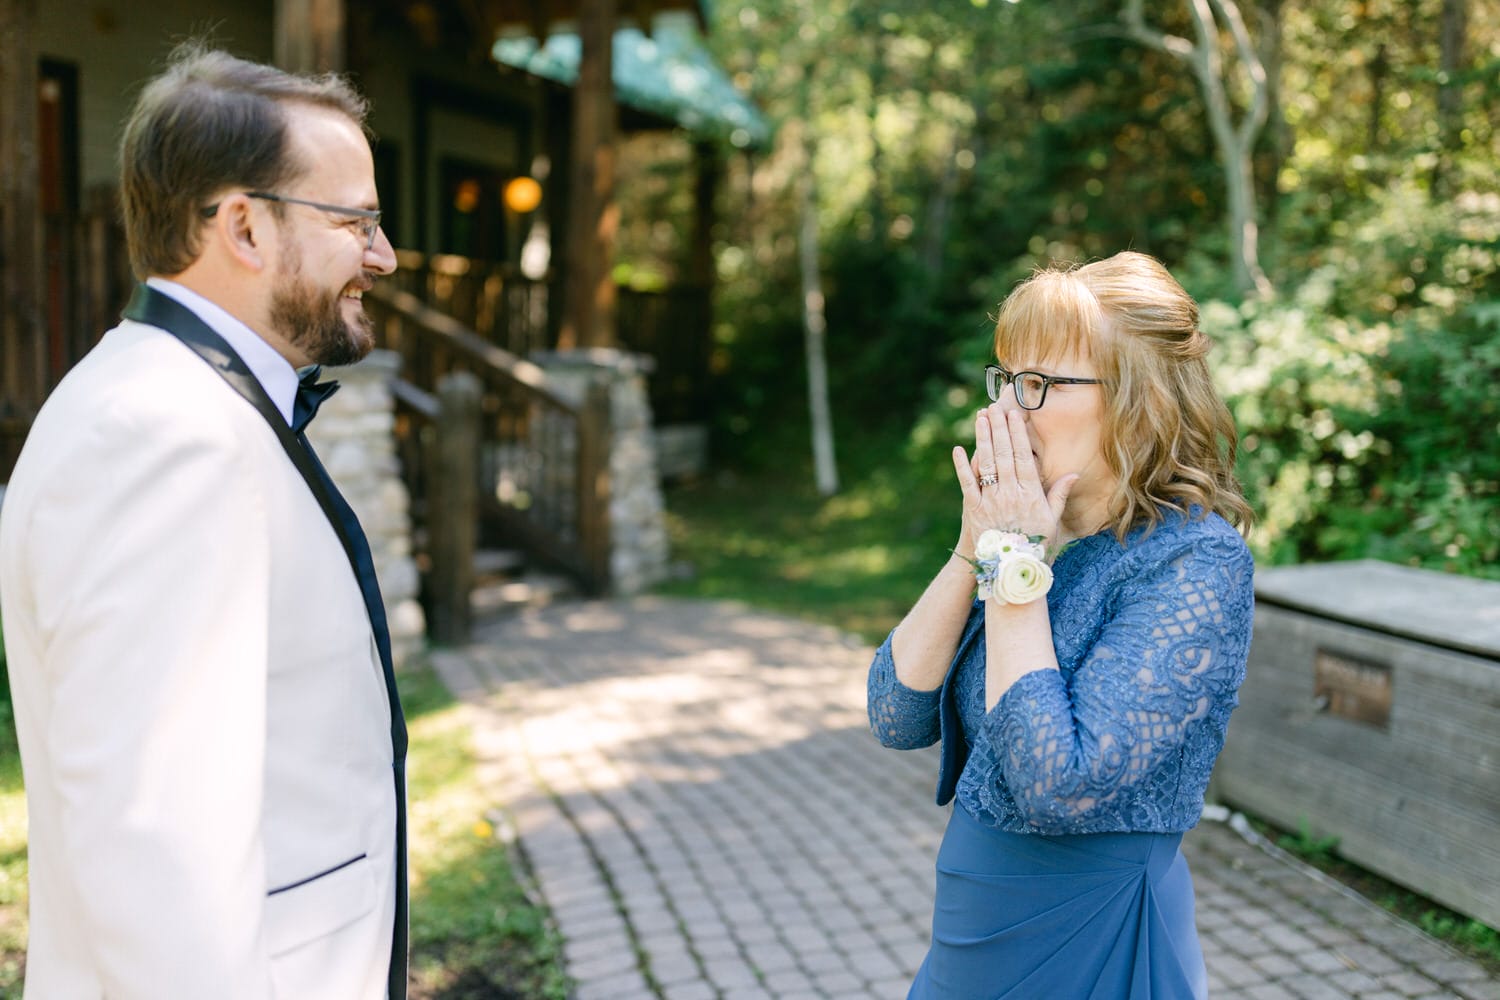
138, 388
136, 368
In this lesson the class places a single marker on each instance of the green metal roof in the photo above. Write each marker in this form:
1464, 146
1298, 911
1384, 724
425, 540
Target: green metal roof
668, 73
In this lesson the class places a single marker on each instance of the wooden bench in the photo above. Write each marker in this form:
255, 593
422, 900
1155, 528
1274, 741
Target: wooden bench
1371, 712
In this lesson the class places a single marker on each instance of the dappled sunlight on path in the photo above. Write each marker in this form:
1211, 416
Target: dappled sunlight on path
697, 792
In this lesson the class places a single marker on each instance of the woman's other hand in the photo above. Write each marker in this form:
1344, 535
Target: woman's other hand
1016, 499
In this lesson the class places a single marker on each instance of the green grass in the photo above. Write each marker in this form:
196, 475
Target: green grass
1477, 940
12, 858
475, 934
857, 560
860, 559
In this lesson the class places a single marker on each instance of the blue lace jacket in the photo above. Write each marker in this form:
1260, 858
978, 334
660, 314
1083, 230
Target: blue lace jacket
1151, 639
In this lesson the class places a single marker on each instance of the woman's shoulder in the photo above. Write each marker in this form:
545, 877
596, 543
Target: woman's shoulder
1193, 533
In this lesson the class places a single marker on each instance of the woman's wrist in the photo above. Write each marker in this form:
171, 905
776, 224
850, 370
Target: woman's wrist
1011, 566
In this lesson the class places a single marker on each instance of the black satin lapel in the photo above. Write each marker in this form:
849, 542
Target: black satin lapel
151, 307
164, 312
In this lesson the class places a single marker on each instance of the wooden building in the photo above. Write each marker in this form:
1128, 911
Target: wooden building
455, 127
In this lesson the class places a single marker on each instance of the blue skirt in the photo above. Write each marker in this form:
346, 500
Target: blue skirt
1106, 915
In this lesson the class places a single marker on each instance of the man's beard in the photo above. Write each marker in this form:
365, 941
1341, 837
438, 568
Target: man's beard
312, 321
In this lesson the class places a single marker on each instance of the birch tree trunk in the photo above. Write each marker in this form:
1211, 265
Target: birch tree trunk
814, 325
1450, 91
1235, 140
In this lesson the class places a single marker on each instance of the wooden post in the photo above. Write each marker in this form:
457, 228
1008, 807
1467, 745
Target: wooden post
310, 36
594, 484
23, 376
705, 187
593, 217
453, 506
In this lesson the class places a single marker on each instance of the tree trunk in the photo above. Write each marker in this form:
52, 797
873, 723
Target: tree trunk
1235, 141
593, 217
814, 324
1275, 152
1380, 67
1451, 61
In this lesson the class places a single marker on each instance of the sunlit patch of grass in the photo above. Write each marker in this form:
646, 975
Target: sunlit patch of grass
13, 896
858, 559
475, 933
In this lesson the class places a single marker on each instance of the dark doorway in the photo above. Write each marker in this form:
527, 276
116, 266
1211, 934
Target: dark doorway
474, 222
58, 163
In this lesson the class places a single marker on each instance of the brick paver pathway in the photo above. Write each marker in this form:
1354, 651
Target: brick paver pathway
696, 790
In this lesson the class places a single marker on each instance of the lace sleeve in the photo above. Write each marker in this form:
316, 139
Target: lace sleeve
1068, 748
900, 718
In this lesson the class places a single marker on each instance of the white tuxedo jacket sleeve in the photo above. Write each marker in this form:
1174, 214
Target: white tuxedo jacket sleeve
203, 728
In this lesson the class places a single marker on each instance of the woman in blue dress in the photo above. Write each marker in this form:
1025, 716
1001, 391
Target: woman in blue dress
1081, 701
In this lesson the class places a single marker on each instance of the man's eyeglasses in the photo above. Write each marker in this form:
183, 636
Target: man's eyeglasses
368, 218
1031, 387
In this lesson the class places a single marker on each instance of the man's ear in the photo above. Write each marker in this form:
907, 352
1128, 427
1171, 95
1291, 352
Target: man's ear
242, 232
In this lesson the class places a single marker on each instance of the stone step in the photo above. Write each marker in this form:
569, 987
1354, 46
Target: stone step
532, 589
498, 563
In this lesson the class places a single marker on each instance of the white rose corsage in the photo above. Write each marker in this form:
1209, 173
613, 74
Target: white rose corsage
1011, 567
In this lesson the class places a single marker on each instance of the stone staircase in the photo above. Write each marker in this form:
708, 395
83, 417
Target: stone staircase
504, 583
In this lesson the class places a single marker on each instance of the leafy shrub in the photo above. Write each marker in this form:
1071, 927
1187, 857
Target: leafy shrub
1366, 440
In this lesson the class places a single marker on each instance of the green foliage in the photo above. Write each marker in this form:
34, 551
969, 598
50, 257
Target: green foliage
1360, 440
859, 559
1309, 846
959, 145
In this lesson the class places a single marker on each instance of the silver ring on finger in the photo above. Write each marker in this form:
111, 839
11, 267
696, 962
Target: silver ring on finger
989, 479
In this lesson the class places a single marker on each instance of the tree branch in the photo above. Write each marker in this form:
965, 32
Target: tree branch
1135, 27
1255, 68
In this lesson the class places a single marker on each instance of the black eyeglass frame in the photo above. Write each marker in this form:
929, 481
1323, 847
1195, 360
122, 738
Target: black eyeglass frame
997, 378
371, 216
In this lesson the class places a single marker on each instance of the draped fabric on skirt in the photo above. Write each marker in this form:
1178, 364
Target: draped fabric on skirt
1106, 915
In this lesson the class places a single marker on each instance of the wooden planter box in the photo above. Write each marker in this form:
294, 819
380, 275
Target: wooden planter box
1371, 712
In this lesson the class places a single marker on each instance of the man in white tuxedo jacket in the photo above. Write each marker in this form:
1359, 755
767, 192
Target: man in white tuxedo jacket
212, 746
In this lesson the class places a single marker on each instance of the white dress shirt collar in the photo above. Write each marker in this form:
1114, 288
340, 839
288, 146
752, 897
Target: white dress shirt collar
275, 374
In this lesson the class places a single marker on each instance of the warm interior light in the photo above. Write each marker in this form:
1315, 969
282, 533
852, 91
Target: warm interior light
522, 194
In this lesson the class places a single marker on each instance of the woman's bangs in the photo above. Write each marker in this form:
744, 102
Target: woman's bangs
1050, 317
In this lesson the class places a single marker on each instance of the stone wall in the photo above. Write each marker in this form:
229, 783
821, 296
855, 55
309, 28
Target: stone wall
637, 516
352, 435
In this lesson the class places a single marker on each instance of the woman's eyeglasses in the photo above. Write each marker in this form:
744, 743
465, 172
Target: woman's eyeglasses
1031, 387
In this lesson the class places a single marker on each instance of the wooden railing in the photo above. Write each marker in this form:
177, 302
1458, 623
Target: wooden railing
505, 308
496, 301
539, 461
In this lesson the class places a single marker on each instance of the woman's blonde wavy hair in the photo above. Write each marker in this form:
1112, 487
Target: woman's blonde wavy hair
1167, 437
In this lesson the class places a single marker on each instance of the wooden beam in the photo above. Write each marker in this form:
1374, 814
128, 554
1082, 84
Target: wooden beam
23, 377
708, 170
310, 36
593, 217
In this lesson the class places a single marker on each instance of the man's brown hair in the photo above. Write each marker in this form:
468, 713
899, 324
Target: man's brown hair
208, 123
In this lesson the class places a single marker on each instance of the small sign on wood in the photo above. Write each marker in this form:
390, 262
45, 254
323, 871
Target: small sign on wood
1352, 688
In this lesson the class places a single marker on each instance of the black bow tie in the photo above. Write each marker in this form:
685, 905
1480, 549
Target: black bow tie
310, 395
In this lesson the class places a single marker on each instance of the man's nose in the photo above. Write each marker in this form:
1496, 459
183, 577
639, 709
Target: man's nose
381, 257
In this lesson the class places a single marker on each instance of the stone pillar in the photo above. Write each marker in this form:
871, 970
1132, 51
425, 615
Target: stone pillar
352, 435
637, 519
